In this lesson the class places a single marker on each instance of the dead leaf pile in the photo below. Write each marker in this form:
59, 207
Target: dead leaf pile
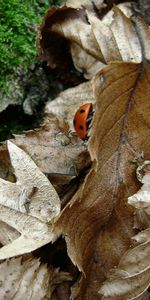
106, 224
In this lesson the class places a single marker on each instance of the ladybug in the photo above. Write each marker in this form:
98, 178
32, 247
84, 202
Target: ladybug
82, 120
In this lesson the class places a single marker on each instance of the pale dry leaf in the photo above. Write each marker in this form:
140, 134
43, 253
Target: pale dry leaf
98, 222
141, 202
142, 198
131, 279
29, 279
92, 5
7, 233
119, 41
125, 7
84, 61
28, 206
91, 41
141, 219
143, 236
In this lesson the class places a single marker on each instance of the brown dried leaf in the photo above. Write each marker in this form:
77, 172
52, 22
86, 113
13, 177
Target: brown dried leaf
98, 223
131, 279
29, 279
92, 42
27, 206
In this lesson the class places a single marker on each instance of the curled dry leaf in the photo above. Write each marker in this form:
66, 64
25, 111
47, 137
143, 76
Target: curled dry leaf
131, 279
98, 223
28, 206
68, 101
29, 279
91, 42
7, 233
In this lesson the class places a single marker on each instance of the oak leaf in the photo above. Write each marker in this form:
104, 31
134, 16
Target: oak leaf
27, 207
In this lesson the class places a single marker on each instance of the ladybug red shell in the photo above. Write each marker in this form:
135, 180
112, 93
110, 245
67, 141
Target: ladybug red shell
82, 120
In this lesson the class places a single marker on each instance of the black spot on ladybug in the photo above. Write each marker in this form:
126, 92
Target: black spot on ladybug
74, 122
81, 127
82, 111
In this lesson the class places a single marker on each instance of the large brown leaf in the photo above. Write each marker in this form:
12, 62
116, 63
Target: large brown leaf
98, 223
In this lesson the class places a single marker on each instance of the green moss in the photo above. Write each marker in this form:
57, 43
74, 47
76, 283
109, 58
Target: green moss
18, 29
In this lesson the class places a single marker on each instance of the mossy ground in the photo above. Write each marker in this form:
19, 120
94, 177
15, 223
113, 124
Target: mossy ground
19, 25
19, 21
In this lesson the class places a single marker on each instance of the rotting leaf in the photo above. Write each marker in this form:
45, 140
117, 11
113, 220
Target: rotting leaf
28, 206
98, 222
91, 42
29, 279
